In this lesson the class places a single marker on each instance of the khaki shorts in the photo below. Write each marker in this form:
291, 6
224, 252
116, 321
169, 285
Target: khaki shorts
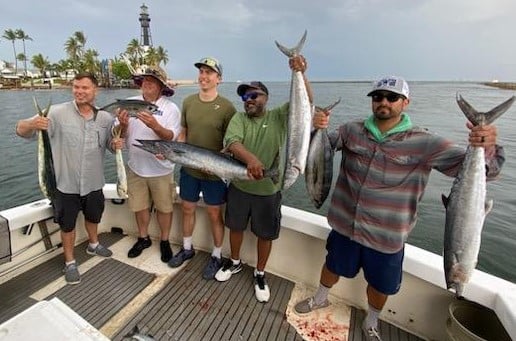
142, 192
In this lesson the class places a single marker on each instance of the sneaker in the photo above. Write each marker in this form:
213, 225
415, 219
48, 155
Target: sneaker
227, 270
261, 289
71, 274
99, 251
308, 305
371, 334
181, 257
214, 264
166, 251
139, 246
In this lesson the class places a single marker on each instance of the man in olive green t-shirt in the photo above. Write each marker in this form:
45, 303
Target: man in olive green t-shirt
204, 119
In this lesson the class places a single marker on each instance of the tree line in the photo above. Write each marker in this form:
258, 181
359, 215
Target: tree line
79, 58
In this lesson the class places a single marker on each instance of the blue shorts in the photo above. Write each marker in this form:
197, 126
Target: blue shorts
214, 192
67, 207
382, 271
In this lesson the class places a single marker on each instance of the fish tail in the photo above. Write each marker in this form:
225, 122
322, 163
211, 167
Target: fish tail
479, 118
294, 51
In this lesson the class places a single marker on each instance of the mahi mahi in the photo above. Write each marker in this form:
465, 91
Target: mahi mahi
466, 206
299, 121
319, 164
121, 183
46, 171
205, 160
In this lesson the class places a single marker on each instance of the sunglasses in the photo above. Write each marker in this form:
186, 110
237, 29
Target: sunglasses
391, 97
251, 95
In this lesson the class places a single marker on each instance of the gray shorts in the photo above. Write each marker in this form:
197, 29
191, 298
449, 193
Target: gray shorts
263, 212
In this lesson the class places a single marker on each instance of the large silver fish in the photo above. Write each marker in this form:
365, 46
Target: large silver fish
46, 171
319, 164
121, 183
133, 107
299, 121
203, 159
466, 206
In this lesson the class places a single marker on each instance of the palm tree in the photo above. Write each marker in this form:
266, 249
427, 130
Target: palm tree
11, 35
22, 36
90, 62
74, 47
134, 52
162, 55
41, 63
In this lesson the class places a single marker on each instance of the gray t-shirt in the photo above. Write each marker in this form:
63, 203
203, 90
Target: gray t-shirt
78, 148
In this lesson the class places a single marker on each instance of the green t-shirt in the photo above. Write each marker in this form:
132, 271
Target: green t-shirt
206, 123
264, 137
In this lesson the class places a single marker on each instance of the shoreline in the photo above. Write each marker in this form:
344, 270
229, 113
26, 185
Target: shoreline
501, 85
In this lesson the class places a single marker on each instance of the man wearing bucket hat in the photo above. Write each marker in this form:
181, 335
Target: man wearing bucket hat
204, 119
374, 205
150, 180
256, 137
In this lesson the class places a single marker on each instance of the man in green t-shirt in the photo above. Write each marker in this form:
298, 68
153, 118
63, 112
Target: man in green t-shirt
204, 119
256, 137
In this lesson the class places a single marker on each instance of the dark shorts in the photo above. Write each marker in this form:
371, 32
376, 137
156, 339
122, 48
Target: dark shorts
264, 212
214, 192
382, 271
67, 207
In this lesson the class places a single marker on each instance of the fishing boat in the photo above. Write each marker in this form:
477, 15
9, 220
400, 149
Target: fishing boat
118, 294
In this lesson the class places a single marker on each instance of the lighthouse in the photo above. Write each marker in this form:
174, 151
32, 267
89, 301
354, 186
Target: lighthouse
145, 36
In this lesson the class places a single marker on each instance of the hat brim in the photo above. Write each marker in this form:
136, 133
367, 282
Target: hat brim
198, 65
166, 90
388, 90
242, 89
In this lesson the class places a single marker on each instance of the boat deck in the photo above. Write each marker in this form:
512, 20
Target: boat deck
115, 295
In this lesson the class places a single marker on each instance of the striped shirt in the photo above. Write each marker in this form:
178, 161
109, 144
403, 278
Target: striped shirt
381, 182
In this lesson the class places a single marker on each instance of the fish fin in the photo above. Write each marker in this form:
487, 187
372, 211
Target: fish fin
488, 206
331, 106
478, 118
294, 51
445, 200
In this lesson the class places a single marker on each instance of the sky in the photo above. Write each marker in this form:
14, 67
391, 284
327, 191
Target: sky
470, 40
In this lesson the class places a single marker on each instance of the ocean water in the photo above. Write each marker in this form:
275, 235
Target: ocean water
432, 106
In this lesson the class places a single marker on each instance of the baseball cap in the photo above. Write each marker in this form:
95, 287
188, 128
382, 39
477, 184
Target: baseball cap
159, 74
210, 62
242, 88
393, 84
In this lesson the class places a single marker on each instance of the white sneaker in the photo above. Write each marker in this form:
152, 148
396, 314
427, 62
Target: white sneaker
261, 289
227, 270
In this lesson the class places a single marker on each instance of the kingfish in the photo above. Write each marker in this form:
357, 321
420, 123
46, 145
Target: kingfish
121, 183
46, 171
202, 159
319, 164
466, 206
133, 107
299, 121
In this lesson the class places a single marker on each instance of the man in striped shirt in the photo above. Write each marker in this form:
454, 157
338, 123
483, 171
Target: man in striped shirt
386, 163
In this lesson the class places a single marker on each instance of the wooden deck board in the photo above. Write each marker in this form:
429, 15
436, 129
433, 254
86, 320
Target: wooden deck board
191, 308
104, 288
15, 292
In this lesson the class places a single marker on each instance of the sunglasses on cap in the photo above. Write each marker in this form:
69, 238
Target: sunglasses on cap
251, 95
390, 96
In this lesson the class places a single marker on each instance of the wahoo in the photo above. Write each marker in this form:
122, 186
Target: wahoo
121, 183
466, 206
319, 164
205, 160
46, 171
299, 121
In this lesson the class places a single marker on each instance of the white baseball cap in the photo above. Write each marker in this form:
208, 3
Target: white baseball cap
393, 84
